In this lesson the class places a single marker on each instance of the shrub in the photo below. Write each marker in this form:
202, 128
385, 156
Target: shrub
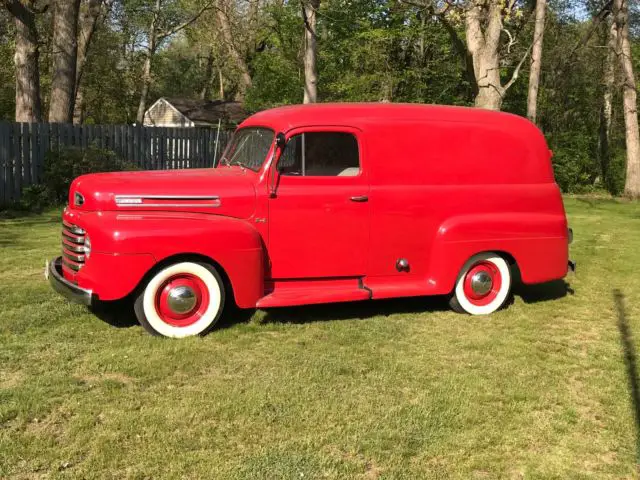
61, 167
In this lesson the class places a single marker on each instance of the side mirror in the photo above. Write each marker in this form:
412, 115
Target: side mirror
281, 141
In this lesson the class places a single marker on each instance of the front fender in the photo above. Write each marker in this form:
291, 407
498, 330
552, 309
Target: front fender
537, 242
232, 243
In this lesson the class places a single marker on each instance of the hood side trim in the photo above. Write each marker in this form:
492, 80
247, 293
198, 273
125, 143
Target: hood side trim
206, 201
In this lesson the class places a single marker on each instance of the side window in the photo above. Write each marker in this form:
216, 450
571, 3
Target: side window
321, 154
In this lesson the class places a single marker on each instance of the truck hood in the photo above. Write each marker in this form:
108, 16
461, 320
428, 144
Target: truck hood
221, 191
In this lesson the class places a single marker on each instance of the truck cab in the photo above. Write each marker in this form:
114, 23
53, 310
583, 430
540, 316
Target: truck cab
322, 203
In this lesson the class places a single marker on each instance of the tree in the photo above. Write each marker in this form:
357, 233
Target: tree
309, 10
26, 58
90, 12
223, 14
483, 26
162, 25
606, 110
65, 51
630, 104
536, 61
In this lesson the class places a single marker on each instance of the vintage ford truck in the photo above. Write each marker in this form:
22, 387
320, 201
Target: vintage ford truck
323, 203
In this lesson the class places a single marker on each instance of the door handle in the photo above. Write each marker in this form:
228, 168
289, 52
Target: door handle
361, 198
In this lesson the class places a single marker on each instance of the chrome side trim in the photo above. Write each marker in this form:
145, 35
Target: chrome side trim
201, 205
136, 200
172, 197
64, 287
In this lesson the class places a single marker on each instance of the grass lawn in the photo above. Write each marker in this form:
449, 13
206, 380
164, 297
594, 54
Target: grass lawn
389, 389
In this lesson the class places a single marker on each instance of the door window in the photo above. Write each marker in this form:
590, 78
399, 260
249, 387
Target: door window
321, 154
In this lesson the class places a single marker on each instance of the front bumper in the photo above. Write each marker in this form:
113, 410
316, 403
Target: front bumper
67, 289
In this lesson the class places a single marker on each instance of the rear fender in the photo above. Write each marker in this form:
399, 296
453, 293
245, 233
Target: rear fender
537, 242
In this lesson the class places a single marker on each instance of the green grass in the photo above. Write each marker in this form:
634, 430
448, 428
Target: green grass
390, 389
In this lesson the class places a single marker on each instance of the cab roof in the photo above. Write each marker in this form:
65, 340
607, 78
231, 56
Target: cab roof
361, 114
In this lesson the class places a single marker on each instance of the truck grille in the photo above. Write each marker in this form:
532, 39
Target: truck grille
73, 250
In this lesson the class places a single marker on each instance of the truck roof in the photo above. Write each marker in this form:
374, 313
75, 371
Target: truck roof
361, 114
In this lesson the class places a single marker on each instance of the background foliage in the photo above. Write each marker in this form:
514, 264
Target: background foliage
368, 50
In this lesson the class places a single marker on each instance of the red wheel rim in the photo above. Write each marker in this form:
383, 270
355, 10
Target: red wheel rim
482, 283
185, 283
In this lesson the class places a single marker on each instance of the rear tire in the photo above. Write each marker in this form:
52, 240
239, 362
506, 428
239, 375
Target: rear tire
181, 300
483, 285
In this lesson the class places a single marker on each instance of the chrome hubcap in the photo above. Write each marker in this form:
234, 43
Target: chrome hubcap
481, 283
182, 299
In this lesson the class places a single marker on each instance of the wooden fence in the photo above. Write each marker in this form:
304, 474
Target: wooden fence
24, 147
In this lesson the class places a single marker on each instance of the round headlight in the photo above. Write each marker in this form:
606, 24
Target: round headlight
78, 199
87, 246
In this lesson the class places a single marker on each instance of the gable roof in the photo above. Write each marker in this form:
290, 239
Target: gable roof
209, 111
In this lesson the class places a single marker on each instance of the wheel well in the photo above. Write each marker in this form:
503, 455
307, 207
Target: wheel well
188, 257
507, 256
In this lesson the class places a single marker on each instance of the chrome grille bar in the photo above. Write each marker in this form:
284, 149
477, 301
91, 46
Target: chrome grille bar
73, 249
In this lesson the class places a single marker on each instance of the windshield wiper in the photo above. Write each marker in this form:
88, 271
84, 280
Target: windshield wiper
236, 162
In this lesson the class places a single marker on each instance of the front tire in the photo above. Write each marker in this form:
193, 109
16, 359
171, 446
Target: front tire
483, 285
181, 300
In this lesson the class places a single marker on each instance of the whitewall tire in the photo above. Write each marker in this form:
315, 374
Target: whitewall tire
181, 300
483, 285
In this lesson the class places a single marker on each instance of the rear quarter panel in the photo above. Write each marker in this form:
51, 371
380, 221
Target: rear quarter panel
445, 191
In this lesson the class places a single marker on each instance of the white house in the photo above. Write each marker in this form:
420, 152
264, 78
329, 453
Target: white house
180, 112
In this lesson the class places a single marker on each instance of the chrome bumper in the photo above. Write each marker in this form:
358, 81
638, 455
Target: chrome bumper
72, 292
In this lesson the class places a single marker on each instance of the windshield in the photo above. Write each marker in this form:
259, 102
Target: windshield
248, 148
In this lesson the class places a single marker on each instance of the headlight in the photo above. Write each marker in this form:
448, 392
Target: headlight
78, 199
87, 247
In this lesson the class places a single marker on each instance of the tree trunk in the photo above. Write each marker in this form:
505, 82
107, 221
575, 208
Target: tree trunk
241, 64
87, 27
146, 84
309, 10
78, 106
536, 61
606, 111
221, 82
88, 21
65, 50
152, 38
630, 105
483, 48
205, 92
28, 102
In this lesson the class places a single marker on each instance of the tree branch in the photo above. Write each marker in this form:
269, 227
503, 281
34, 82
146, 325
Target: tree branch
595, 22
18, 9
167, 33
516, 72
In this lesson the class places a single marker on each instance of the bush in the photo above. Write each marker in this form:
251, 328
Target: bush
61, 167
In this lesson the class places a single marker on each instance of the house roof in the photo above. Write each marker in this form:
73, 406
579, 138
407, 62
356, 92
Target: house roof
209, 111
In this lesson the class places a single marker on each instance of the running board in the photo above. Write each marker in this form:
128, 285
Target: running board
284, 293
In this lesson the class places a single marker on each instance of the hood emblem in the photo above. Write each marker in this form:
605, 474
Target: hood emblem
204, 201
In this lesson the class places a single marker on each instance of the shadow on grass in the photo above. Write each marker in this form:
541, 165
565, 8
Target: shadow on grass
542, 292
355, 310
118, 314
630, 361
